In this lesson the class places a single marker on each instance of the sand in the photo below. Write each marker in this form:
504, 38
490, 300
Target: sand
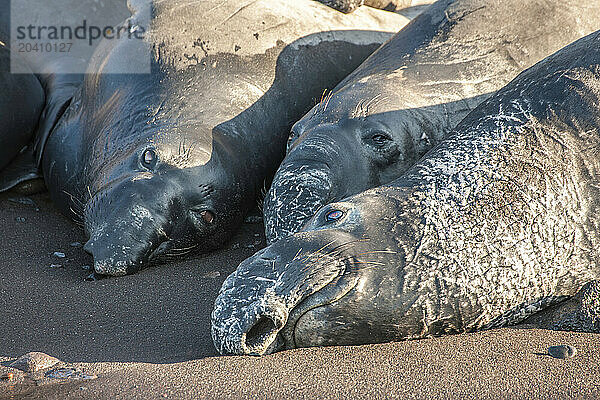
148, 335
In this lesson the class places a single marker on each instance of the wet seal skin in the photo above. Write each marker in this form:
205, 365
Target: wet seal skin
496, 223
22, 146
21, 103
409, 94
168, 163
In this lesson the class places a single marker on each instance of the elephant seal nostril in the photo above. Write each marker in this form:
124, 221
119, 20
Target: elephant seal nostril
262, 325
260, 332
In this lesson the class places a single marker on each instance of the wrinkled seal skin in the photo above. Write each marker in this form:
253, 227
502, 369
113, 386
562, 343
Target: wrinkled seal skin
409, 94
497, 222
213, 114
586, 315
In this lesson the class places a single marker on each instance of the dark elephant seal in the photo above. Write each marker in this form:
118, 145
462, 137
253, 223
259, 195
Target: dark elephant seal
58, 74
21, 103
497, 222
22, 99
168, 162
410, 93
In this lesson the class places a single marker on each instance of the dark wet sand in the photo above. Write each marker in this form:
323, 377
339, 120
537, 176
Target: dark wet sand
148, 335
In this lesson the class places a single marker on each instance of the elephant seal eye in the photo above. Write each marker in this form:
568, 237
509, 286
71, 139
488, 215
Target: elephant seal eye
379, 139
149, 159
334, 215
208, 216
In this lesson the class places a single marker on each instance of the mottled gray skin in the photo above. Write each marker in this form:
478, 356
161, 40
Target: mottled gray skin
345, 6
409, 94
586, 315
213, 113
348, 6
497, 222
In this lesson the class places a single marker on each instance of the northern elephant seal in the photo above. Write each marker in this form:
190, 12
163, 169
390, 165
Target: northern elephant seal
410, 93
58, 73
21, 102
498, 221
166, 163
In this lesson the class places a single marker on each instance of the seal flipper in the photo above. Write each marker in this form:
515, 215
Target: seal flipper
59, 89
23, 168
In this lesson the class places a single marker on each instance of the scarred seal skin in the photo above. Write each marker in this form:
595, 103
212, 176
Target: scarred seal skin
166, 163
495, 223
409, 94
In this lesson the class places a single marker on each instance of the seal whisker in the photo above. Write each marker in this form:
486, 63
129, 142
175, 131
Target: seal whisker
195, 245
321, 249
75, 201
180, 253
341, 247
297, 254
378, 252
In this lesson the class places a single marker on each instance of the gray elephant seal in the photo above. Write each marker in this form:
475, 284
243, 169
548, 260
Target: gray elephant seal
497, 222
163, 164
409, 94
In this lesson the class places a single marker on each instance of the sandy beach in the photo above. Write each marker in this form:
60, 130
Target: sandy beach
148, 335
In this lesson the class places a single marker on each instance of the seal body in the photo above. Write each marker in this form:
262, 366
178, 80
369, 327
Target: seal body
53, 74
166, 163
21, 102
22, 99
409, 94
497, 222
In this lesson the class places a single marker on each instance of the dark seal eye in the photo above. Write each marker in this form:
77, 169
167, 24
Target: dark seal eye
207, 216
292, 138
149, 158
334, 215
380, 138
200, 214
